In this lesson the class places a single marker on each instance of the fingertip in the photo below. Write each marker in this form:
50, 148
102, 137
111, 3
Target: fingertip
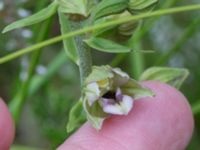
7, 129
161, 122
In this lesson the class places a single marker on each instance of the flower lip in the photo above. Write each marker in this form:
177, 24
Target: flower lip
116, 103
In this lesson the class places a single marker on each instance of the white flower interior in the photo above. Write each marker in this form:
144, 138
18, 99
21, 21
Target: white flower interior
92, 92
121, 108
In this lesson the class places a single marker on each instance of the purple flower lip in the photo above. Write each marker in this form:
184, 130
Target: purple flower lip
116, 103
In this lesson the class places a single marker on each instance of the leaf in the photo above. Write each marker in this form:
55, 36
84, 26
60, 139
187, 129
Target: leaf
76, 117
136, 90
172, 76
108, 7
69, 44
33, 19
81, 7
141, 5
105, 45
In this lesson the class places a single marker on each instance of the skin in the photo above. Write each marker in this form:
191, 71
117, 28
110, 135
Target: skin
6, 127
163, 122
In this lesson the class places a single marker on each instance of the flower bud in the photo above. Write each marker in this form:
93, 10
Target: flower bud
76, 9
127, 29
138, 6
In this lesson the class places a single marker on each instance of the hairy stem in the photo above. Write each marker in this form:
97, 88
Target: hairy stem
85, 59
85, 64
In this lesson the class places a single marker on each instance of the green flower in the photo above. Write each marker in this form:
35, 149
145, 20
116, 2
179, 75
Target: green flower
110, 91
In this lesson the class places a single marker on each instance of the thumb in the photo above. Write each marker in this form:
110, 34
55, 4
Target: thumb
163, 122
6, 127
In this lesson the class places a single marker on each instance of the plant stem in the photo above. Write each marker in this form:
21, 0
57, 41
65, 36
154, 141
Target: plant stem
38, 81
196, 108
98, 26
118, 59
190, 30
136, 59
85, 64
84, 54
18, 101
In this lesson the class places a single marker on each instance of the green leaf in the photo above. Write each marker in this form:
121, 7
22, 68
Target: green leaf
69, 44
172, 76
136, 90
108, 7
81, 7
105, 45
33, 19
76, 117
141, 5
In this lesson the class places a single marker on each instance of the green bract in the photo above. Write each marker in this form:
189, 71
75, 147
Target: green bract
69, 44
110, 91
76, 117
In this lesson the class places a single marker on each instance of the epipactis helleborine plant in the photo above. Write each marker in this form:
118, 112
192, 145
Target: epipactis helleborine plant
109, 91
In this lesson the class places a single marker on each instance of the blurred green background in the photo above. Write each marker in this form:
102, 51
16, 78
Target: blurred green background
49, 82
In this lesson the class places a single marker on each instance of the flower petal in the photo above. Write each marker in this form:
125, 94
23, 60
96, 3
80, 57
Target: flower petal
121, 108
126, 104
92, 92
120, 77
120, 73
105, 101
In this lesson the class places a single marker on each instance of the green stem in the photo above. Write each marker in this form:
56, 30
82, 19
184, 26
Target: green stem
84, 54
118, 59
196, 108
35, 84
18, 101
85, 64
136, 59
95, 27
38, 81
22, 147
137, 63
191, 29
